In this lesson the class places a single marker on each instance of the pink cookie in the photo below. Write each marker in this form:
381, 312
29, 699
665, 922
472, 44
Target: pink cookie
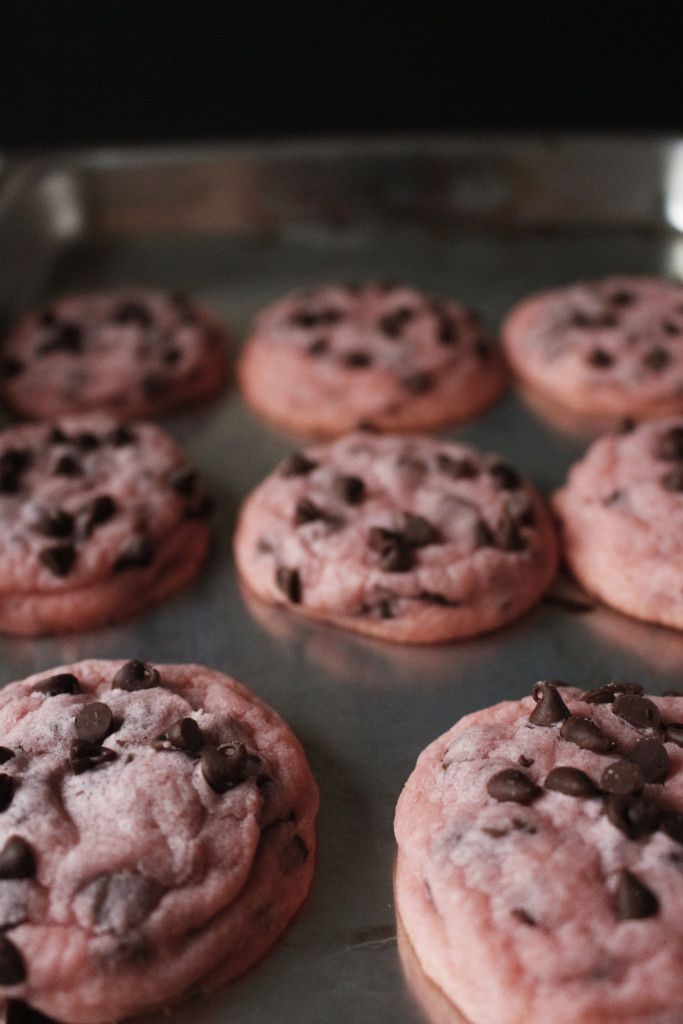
540, 853
133, 352
609, 347
405, 538
97, 520
621, 516
156, 835
323, 362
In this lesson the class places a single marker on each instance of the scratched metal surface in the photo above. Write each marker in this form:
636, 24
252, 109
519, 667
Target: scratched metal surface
483, 220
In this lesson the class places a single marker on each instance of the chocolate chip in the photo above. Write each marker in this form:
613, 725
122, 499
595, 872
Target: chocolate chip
201, 508
67, 338
58, 559
10, 367
673, 733
513, 786
136, 675
550, 708
96, 512
671, 824
356, 359
622, 778
85, 755
63, 682
16, 859
504, 477
121, 436
154, 385
68, 465
524, 916
93, 722
183, 480
633, 900
307, 511
448, 331
634, 815
671, 328
417, 531
651, 757
506, 536
656, 359
307, 318
171, 356
482, 349
6, 754
638, 711
457, 469
395, 555
622, 297
670, 445
137, 554
297, 465
132, 312
570, 782
12, 968
289, 582
350, 489
438, 599
6, 791
224, 767
293, 856
593, 321
392, 324
318, 347
122, 900
186, 735
418, 383
673, 480
13, 463
606, 694
600, 359
52, 522
586, 733
57, 436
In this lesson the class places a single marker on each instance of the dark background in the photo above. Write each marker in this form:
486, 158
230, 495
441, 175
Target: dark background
75, 72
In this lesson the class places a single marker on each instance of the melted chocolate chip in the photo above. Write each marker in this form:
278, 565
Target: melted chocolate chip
633, 900
68, 465
570, 782
289, 582
62, 682
392, 324
136, 675
638, 711
513, 786
418, 383
52, 522
586, 733
224, 767
96, 512
600, 359
16, 859
504, 477
606, 694
93, 722
634, 815
457, 469
524, 916
656, 359
86, 441
550, 708
58, 559
13, 463
6, 754
122, 900
670, 445
622, 778
66, 338
307, 511
350, 489
651, 757
121, 436
671, 824
297, 465
132, 313
85, 755
137, 554
395, 555
356, 359
6, 791
12, 969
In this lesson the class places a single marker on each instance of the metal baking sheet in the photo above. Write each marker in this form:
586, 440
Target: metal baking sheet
484, 220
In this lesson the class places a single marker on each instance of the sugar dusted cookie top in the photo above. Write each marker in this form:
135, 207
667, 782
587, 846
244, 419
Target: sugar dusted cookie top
156, 829
612, 347
621, 517
323, 362
132, 352
406, 538
540, 851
